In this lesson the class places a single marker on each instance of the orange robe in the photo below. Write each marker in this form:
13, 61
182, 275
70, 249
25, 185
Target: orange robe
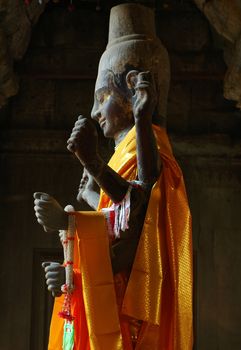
159, 290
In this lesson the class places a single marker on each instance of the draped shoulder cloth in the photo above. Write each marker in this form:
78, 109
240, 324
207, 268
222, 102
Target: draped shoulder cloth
159, 291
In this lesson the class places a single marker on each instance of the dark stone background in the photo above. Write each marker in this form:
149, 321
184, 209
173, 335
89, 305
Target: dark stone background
57, 77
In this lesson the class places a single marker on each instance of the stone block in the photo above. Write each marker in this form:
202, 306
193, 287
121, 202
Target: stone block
197, 66
61, 28
72, 99
207, 95
34, 106
193, 31
179, 104
213, 122
58, 63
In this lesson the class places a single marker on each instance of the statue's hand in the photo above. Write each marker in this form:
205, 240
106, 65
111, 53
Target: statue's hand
145, 99
87, 183
49, 212
55, 277
83, 140
88, 190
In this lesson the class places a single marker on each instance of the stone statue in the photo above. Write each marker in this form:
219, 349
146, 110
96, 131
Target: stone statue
130, 106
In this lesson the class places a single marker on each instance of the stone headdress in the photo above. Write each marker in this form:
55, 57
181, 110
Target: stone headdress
133, 44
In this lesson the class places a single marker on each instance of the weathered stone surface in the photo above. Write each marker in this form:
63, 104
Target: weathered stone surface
59, 63
212, 121
193, 31
225, 16
179, 104
206, 65
52, 142
206, 94
232, 82
8, 80
34, 106
15, 31
80, 99
60, 28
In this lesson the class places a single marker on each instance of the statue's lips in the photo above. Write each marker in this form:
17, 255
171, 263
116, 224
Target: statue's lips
102, 123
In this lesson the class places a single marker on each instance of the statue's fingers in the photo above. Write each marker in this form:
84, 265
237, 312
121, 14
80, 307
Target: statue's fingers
144, 76
73, 139
53, 288
43, 222
42, 203
143, 85
141, 95
56, 294
39, 195
46, 263
53, 282
146, 80
75, 134
52, 275
41, 210
80, 122
78, 129
42, 218
53, 266
71, 148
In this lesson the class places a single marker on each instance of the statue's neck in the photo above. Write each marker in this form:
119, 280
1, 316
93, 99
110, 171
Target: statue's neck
121, 135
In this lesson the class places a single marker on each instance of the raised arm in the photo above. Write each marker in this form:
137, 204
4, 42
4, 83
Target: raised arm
83, 142
88, 190
144, 103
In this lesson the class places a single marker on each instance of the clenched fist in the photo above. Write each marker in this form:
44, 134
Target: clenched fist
55, 277
83, 140
49, 212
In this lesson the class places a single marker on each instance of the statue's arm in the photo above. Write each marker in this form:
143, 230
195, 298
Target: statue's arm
83, 142
148, 159
110, 182
89, 190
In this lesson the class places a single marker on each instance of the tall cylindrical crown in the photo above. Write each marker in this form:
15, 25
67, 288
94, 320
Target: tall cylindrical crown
133, 44
131, 19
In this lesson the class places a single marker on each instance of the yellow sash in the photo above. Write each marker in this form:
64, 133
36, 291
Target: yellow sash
159, 290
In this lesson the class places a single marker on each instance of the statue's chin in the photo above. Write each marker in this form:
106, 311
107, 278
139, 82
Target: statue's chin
79, 197
107, 133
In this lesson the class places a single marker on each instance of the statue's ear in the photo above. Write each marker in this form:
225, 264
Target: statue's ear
131, 79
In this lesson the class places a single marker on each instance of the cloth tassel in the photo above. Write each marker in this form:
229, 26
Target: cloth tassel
68, 337
122, 213
118, 215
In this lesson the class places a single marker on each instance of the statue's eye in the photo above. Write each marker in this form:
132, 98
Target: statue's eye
103, 97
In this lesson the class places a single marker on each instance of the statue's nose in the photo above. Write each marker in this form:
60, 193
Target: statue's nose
95, 113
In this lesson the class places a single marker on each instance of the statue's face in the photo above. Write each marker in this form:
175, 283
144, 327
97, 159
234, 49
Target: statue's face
112, 106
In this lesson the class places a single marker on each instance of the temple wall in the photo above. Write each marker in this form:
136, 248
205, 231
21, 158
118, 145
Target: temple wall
57, 76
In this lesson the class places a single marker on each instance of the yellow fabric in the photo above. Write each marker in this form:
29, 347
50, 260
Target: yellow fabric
98, 285
159, 290
92, 261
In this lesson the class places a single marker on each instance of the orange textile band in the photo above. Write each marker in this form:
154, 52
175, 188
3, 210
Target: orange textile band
159, 291
98, 284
